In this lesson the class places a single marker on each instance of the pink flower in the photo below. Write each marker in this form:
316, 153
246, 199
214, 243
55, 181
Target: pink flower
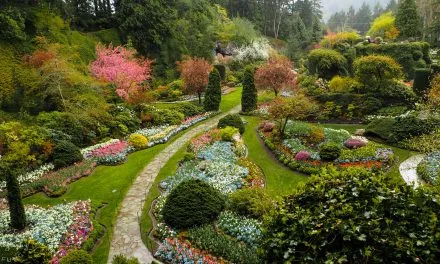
303, 155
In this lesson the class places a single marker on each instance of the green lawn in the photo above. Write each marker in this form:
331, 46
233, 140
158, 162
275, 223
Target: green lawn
280, 180
231, 100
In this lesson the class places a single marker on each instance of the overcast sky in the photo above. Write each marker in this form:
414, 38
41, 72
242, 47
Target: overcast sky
331, 6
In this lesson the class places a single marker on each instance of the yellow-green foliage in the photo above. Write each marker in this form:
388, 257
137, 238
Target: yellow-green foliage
343, 84
351, 38
228, 133
138, 141
108, 36
7, 64
384, 26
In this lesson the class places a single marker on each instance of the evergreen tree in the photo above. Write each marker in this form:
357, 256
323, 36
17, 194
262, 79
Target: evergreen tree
377, 10
16, 208
408, 20
392, 6
249, 95
363, 18
213, 94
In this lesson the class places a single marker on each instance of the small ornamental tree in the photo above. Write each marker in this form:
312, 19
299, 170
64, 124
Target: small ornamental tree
377, 72
298, 107
195, 75
384, 27
213, 94
249, 95
354, 216
119, 66
408, 20
276, 74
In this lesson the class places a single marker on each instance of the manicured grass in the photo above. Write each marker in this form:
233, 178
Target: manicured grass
231, 100
105, 186
280, 180
349, 127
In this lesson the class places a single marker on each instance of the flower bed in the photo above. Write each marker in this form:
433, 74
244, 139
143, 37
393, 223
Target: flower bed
30, 177
429, 168
61, 228
223, 166
300, 149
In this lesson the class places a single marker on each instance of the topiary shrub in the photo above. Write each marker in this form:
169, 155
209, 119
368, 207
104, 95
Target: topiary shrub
233, 121
353, 216
213, 94
138, 141
65, 153
77, 257
192, 203
120, 259
381, 128
250, 202
330, 151
421, 81
327, 63
32, 252
249, 95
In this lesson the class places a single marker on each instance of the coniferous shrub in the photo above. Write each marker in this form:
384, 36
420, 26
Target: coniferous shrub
65, 154
330, 151
221, 70
233, 121
192, 203
77, 257
249, 95
213, 94
421, 81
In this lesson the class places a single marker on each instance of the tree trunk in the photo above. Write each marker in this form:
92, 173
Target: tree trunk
200, 97
283, 128
16, 208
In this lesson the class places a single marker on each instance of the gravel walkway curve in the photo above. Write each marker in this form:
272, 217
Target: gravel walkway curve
126, 238
408, 170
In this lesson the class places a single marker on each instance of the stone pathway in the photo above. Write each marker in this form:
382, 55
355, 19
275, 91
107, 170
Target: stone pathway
126, 233
408, 170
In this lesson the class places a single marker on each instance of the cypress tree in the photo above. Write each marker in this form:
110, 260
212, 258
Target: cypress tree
249, 95
16, 208
408, 20
213, 94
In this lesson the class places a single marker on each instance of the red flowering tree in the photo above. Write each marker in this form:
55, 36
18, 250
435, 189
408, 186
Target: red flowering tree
118, 65
195, 73
276, 74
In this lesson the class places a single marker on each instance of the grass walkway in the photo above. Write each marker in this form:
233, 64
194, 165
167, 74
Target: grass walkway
280, 180
108, 185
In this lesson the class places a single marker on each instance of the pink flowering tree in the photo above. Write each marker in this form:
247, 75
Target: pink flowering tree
118, 65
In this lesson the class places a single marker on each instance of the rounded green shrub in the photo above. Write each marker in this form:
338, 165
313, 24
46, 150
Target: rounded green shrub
250, 202
227, 133
213, 94
327, 63
77, 257
192, 203
330, 151
120, 259
138, 141
233, 121
65, 153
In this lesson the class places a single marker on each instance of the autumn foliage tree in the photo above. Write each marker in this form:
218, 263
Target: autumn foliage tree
298, 107
195, 75
275, 75
118, 65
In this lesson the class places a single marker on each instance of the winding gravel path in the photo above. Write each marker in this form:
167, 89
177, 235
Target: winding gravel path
408, 170
126, 238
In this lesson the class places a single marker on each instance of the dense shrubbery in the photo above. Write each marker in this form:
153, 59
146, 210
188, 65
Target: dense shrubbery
233, 120
32, 252
327, 63
138, 141
221, 245
213, 94
120, 259
422, 81
77, 257
228, 133
313, 224
192, 203
250, 202
65, 153
249, 95
330, 151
